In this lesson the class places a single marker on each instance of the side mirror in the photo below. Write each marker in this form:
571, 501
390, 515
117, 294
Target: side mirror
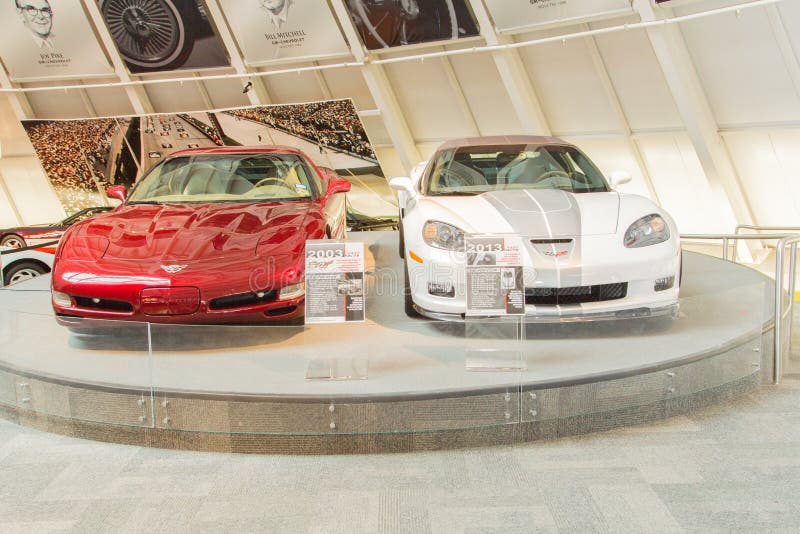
335, 186
402, 184
338, 186
118, 192
405, 191
619, 177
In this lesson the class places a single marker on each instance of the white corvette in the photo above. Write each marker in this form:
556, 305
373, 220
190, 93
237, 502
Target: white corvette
589, 251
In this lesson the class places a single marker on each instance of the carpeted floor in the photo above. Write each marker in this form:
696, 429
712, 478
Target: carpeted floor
730, 467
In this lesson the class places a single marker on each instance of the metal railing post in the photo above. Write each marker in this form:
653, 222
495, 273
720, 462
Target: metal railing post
781, 309
778, 328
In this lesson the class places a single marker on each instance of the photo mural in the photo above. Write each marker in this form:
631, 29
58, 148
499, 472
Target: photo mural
163, 35
82, 158
390, 23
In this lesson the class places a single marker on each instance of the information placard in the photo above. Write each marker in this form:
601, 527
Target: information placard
494, 275
334, 281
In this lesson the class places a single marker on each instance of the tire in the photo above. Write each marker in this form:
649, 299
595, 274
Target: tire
21, 271
151, 35
13, 241
408, 299
401, 249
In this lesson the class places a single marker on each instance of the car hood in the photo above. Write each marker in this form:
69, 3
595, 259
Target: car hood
530, 212
193, 232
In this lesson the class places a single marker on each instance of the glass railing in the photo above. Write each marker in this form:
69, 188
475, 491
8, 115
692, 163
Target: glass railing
390, 374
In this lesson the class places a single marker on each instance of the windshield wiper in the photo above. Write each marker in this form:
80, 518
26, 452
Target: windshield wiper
138, 202
457, 193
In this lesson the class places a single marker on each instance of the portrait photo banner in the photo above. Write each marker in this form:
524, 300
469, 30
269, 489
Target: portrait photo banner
49, 39
273, 30
386, 24
163, 35
510, 15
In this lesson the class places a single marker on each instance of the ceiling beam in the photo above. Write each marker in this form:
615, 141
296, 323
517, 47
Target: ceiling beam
136, 95
695, 111
514, 76
616, 105
382, 93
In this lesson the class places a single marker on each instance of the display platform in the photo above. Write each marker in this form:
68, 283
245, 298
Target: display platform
392, 383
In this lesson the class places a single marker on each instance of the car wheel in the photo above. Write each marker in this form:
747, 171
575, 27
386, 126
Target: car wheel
24, 270
150, 34
13, 241
409, 300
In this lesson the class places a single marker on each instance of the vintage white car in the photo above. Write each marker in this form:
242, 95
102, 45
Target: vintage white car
18, 265
589, 251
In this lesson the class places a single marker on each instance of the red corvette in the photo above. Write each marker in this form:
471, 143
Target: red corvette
207, 236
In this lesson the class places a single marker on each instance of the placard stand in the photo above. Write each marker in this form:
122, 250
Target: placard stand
495, 359
353, 368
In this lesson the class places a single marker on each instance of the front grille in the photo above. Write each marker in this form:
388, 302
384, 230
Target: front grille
104, 304
243, 300
552, 296
551, 241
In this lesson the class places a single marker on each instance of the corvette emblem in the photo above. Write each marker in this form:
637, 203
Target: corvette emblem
172, 269
556, 253
553, 248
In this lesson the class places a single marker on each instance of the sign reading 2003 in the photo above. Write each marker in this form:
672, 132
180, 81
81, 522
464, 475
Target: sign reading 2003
334, 281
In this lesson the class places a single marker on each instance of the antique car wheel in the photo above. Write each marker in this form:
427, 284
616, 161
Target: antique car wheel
150, 34
22, 271
13, 241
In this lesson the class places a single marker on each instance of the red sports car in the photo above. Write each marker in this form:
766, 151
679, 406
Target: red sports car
207, 236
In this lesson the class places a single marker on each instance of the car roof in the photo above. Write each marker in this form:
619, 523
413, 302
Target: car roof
493, 140
261, 149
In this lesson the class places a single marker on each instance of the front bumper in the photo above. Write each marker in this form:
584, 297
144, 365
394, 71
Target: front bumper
563, 316
604, 261
228, 294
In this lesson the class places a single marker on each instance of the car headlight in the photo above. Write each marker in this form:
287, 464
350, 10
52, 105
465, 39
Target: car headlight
292, 291
442, 235
62, 299
649, 230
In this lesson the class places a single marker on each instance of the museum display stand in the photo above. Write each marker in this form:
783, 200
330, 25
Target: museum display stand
392, 383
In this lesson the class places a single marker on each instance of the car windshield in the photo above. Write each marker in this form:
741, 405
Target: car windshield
226, 178
472, 170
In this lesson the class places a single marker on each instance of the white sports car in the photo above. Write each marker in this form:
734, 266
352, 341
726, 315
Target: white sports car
589, 252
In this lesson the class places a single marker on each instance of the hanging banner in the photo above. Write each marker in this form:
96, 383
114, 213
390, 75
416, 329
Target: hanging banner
163, 35
270, 30
390, 23
512, 15
41, 40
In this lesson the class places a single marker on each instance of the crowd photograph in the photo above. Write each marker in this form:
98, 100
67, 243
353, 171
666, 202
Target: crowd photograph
333, 124
77, 157
82, 158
